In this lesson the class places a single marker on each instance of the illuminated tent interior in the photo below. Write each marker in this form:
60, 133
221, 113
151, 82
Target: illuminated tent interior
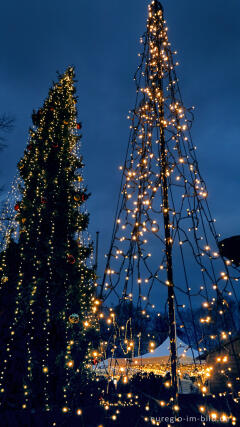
160, 356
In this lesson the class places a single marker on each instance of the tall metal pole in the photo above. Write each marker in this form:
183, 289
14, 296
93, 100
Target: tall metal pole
156, 6
168, 249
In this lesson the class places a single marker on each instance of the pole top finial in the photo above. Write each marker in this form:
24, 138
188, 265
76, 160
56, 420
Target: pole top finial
156, 6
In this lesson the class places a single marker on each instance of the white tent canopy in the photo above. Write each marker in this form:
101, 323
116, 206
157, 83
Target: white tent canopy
164, 350
160, 355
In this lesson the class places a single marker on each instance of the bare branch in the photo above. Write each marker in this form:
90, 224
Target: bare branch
6, 125
6, 122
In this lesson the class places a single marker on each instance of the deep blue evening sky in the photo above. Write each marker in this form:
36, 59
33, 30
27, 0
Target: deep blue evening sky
101, 38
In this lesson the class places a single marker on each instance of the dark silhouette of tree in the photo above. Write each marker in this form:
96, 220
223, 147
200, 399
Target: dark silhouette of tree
6, 125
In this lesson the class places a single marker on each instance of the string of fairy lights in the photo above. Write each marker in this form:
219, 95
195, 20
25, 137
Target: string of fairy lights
18, 300
8, 224
69, 362
136, 265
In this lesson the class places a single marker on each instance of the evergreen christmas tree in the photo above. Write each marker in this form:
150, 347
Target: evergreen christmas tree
50, 330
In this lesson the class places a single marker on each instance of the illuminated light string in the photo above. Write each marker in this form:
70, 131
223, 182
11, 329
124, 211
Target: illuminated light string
8, 228
45, 364
69, 361
34, 291
131, 273
45, 369
15, 319
50, 276
8, 223
35, 267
